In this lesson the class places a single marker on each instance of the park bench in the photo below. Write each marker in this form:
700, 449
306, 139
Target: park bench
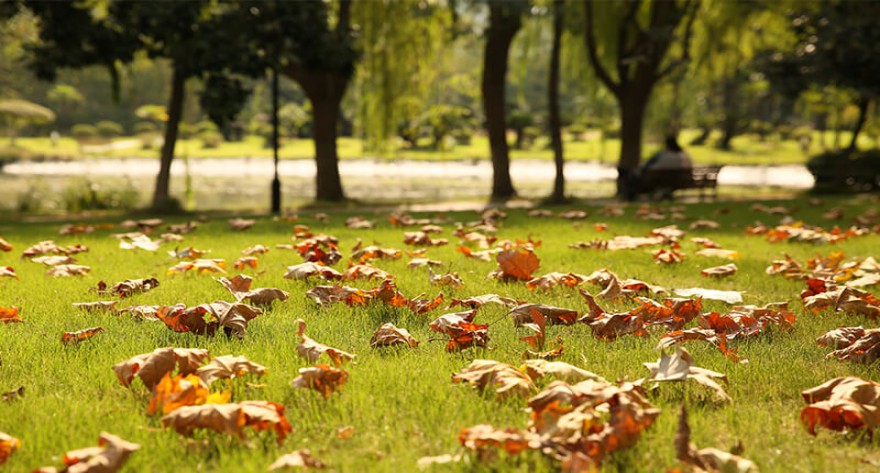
664, 183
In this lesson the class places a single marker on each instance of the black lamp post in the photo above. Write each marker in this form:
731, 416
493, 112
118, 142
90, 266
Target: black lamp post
276, 182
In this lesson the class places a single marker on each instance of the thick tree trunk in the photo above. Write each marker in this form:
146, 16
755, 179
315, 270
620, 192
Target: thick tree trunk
325, 114
554, 120
161, 195
700, 140
504, 26
860, 123
632, 117
325, 91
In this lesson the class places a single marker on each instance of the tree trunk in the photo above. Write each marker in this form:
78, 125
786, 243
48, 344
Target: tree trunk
554, 121
161, 195
729, 126
325, 113
704, 135
632, 116
860, 123
503, 27
325, 91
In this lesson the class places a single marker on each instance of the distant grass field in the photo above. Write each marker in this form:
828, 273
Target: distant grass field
747, 149
402, 402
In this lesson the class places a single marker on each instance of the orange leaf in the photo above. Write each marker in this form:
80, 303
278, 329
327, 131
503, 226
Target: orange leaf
322, 378
9, 315
517, 263
72, 338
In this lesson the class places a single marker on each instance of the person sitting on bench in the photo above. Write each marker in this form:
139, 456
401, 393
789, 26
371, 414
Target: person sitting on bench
672, 160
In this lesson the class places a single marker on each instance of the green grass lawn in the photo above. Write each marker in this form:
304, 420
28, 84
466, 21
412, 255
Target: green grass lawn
402, 402
747, 149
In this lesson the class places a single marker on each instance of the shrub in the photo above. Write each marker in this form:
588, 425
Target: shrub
210, 139
576, 131
186, 131
145, 127
844, 172
83, 194
83, 132
611, 131
107, 129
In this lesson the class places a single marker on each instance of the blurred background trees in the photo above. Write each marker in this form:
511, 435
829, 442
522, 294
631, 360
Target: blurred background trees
440, 75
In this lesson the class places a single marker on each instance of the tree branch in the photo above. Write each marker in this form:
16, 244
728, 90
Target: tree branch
624, 52
344, 23
686, 41
590, 37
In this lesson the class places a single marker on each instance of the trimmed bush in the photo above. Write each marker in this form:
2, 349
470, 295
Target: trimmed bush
845, 172
83, 132
145, 127
210, 139
107, 129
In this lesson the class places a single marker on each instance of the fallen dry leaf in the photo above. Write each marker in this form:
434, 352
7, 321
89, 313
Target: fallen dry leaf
364, 271
68, 270
9, 315
152, 367
240, 287
174, 392
448, 279
72, 338
54, 260
108, 457
720, 271
10, 396
730, 297
230, 418
322, 378
308, 269
128, 287
233, 317
297, 459
668, 256
228, 367
8, 445
680, 367
718, 253
359, 223
254, 250
4, 245
844, 299
188, 253
240, 224
516, 264
312, 350
421, 238
245, 262
388, 335
853, 344
489, 374
524, 313
327, 295
7, 271
551, 280
479, 301
537, 369
708, 460
846, 403
199, 266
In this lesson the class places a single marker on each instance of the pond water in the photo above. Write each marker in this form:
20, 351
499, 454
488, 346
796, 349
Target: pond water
244, 183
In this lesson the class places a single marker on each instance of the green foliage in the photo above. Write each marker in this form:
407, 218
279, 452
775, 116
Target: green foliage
186, 130
82, 194
24, 112
108, 129
210, 139
83, 132
576, 131
846, 171
145, 127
